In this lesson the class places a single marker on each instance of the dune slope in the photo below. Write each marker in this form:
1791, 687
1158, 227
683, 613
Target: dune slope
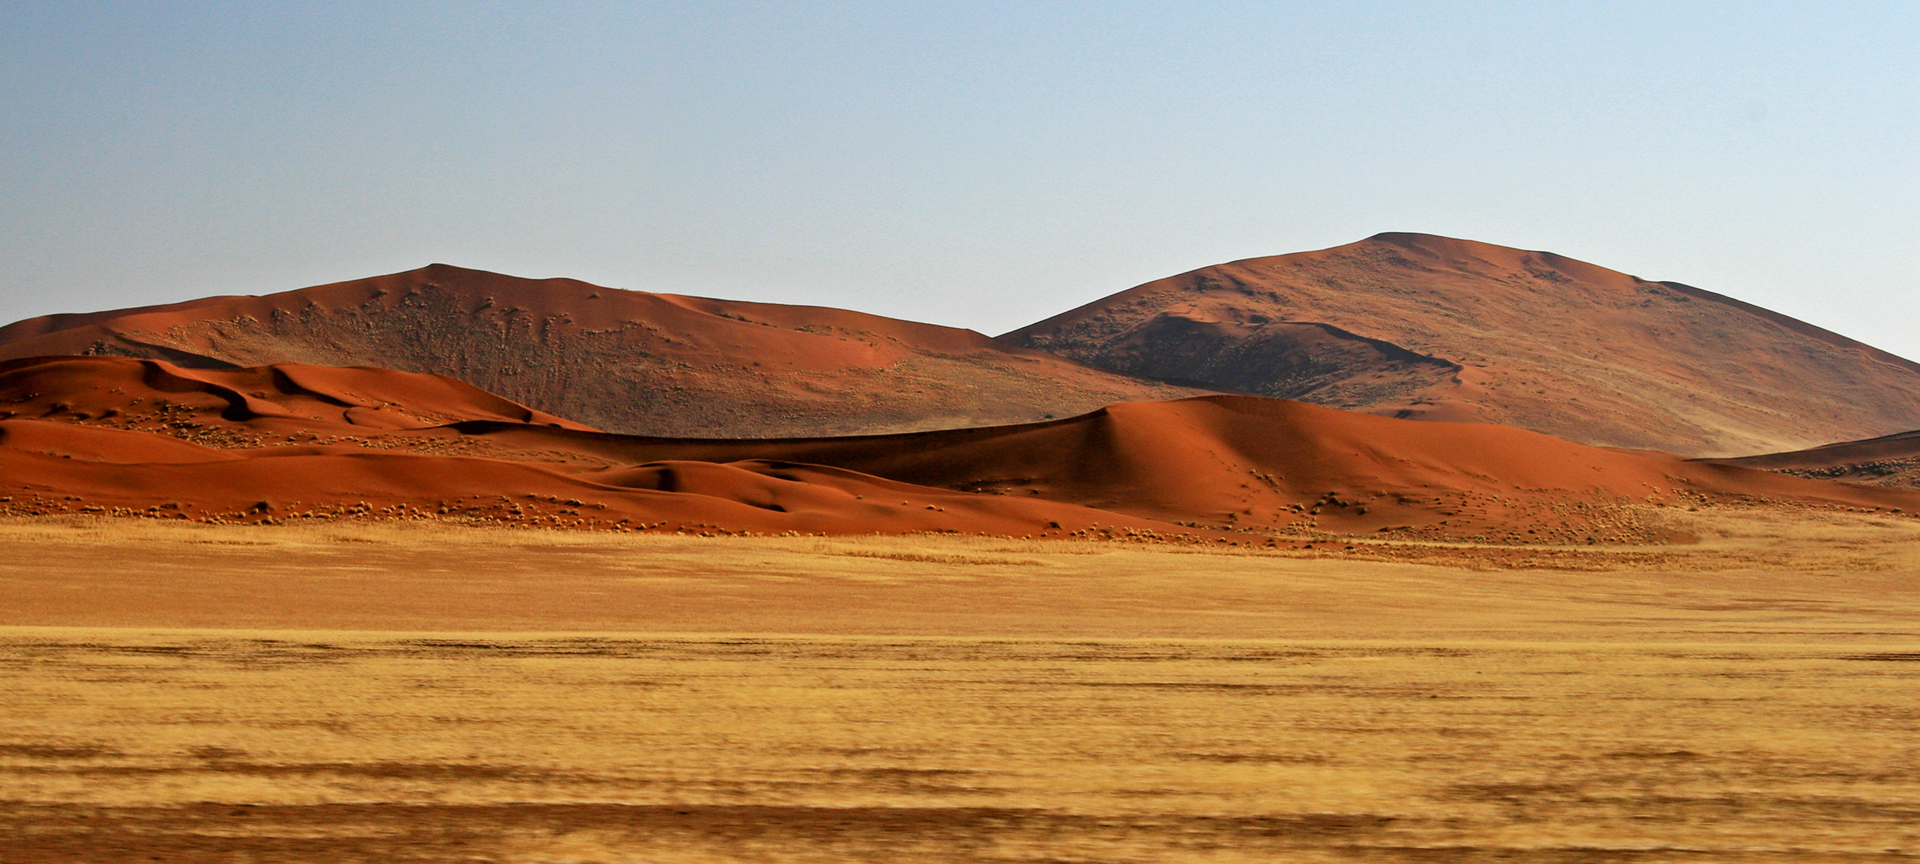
1255, 464
53, 468
1413, 325
1890, 460
151, 391
628, 361
288, 442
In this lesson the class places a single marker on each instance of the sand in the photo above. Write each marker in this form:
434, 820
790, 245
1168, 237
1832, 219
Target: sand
627, 361
1890, 460
1254, 467
291, 444
1416, 325
1405, 325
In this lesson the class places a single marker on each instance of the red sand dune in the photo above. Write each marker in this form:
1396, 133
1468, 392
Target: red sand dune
628, 361
1248, 462
1430, 327
105, 388
116, 435
286, 437
1405, 325
64, 468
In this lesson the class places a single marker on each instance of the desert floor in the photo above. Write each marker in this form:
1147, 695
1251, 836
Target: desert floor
396, 693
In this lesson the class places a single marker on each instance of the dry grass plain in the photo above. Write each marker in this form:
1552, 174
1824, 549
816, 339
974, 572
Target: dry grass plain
393, 693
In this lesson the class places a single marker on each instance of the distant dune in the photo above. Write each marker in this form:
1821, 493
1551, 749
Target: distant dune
1412, 325
1401, 325
1890, 460
628, 361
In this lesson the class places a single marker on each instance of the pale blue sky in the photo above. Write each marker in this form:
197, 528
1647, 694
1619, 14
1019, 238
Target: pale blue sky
975, 164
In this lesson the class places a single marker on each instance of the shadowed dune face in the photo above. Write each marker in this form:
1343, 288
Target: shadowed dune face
628, 361
1413, 325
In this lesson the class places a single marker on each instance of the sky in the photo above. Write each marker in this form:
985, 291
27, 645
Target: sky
975, 164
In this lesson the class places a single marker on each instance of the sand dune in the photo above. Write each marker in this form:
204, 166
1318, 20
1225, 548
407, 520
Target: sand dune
1402, 325
54, 468
293, 442
1246, 463
1890, 460
104, 388
628, 361
287, 443
1419, 326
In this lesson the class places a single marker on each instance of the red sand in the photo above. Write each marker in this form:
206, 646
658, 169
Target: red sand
1235, 461
62, 468
628, 361
105, 433
101, 387
1430, 327
1404, 325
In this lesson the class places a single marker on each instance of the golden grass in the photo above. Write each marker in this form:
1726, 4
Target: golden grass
407, 693
739, 749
